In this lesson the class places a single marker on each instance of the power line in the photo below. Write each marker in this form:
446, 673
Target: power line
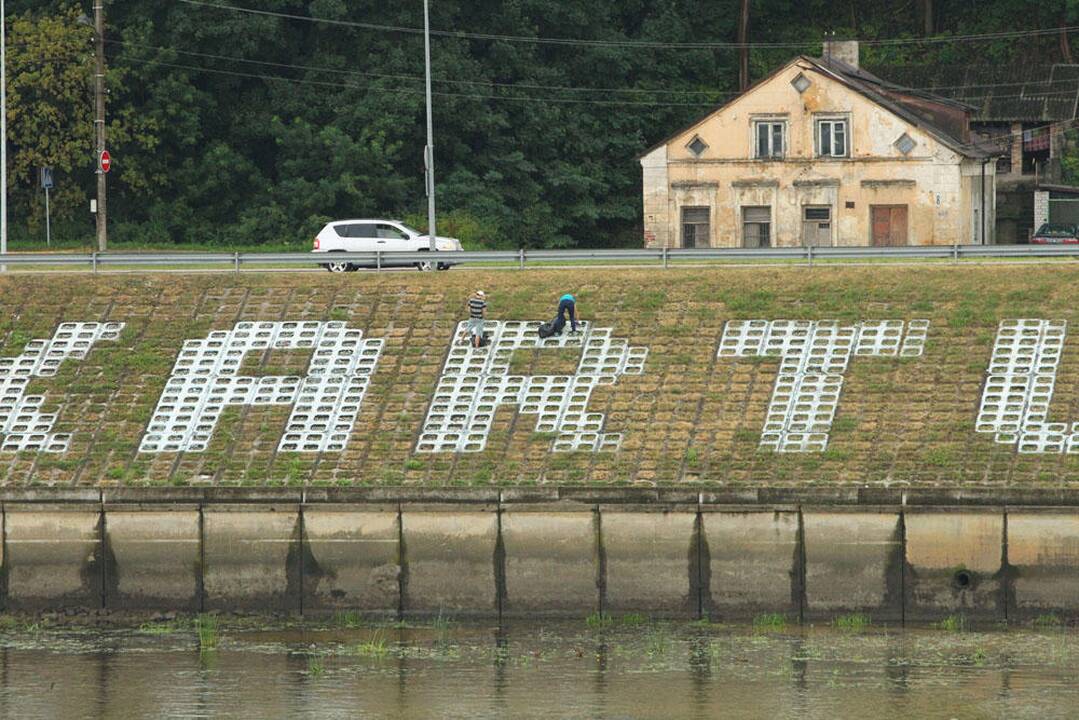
1005, 35
563, 101
568, 88
325, 83
490, 83
1066, 124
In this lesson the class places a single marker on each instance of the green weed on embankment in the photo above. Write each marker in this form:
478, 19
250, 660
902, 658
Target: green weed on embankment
691, 418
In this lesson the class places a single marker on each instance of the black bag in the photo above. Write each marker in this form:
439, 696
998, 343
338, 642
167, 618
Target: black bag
545, 330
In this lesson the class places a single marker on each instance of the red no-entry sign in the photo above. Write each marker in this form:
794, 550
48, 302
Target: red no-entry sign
105, 161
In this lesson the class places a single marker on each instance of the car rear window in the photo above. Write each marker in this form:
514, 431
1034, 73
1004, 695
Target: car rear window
355, 230
1056, 231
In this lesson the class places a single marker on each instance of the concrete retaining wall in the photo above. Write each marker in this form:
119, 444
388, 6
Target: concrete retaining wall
559, 553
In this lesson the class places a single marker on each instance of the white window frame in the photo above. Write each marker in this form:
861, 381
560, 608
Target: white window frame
784, 137
819, 123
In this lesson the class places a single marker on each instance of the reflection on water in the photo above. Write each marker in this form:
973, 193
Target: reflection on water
553, 671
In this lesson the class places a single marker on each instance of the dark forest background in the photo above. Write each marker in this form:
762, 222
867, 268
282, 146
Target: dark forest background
237, 129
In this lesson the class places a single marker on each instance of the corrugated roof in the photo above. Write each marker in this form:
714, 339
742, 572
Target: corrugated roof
1023, 93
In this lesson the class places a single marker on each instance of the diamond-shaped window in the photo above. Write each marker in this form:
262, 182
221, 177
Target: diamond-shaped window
801, 83
905, 144
697, 146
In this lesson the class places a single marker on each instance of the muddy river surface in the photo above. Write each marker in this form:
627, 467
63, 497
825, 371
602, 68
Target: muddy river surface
634, 669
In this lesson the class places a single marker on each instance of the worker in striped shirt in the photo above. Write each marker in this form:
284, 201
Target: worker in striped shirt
477, 311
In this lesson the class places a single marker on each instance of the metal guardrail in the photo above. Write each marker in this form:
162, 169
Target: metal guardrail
521, 258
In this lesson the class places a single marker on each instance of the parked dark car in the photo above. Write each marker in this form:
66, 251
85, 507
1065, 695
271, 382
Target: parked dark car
1056, 234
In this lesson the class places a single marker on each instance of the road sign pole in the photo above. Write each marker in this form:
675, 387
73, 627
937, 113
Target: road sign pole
99, 120
48, 228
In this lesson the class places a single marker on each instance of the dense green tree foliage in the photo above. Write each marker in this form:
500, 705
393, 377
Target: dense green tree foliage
236, 128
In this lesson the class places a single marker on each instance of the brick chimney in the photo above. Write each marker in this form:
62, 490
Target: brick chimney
842, 50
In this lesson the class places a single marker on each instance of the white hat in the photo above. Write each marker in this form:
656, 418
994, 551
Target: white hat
480, 293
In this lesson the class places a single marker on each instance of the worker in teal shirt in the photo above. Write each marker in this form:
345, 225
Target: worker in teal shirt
567, 305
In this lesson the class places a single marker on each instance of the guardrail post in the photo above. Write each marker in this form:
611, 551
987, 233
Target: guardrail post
664, 257
955, 253
93, 262
809, 254
236, 260
521, 258
378, 261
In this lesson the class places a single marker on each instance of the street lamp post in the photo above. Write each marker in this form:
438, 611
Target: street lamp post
3, 132
429, 154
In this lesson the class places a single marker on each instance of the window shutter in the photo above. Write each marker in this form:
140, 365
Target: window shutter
757, 214
695, 215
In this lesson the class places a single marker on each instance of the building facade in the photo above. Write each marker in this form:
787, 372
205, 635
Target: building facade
822, 153
1023, 110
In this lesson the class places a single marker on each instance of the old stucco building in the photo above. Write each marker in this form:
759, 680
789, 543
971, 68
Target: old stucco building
822, 153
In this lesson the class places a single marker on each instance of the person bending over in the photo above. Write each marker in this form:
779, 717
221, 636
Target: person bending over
567, 305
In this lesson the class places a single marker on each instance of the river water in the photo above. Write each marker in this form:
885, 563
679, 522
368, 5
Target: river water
625, 670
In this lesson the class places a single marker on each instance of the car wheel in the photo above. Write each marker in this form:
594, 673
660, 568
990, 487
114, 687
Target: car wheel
443, 266
425, 266
337, 267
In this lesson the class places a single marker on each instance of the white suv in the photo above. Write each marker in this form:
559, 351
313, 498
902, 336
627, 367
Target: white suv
373, 235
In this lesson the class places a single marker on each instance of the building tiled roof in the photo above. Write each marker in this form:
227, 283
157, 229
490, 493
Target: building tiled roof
914, 106
1020, 93
931, 112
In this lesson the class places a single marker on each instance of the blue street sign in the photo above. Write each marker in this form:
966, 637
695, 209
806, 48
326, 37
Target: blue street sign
46, 178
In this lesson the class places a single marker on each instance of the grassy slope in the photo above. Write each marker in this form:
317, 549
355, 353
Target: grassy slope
688, 419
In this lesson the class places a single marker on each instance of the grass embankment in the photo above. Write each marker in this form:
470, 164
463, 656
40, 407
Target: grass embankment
689, 419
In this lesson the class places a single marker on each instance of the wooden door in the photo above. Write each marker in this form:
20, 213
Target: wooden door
889, 225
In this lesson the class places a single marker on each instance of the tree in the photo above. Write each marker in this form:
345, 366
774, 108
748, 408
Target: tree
50, 115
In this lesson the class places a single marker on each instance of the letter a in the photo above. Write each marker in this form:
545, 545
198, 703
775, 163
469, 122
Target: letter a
205, 379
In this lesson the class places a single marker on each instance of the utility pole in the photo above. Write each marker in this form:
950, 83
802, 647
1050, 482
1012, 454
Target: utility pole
3, 133
429, 155
743, 50
99, 120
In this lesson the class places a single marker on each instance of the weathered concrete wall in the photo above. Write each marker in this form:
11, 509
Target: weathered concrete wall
1043, 558
52, 557
352, 558
449, 560
154, 557
752, 559
552, 560
811, 555
251, 557
954, 564
853, 563
652, 561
